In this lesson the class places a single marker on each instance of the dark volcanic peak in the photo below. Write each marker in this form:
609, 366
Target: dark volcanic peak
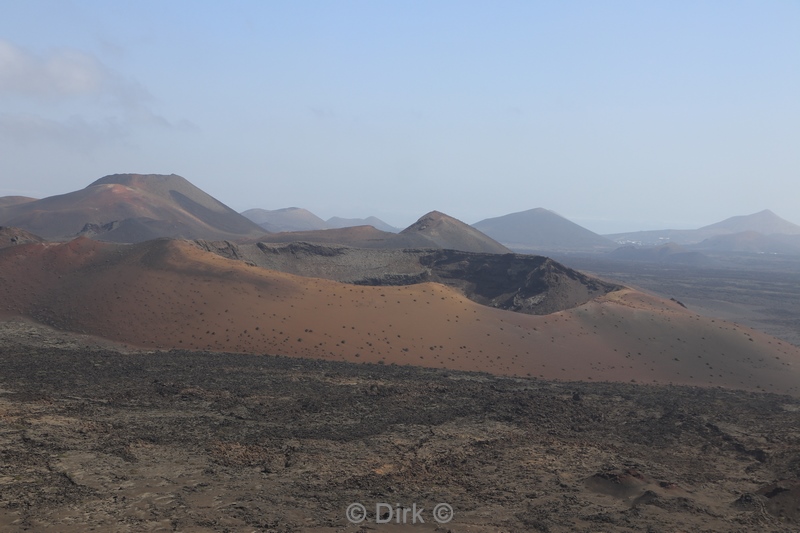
444, 231
543, 230
285, 219
142, 206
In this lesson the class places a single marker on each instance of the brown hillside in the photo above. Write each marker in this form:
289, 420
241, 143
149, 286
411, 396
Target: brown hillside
170, 294
16, 236
444, 231
143, 205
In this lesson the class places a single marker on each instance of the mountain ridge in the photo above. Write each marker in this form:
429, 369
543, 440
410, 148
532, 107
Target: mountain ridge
765, 222
432, 230
285, 219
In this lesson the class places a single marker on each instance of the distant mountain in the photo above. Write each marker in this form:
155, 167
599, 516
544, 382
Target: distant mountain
6, 201
339, 222
131, 208
444, 231
434, 230
764, 222
356, 236
293, 219
542, 230
286, 219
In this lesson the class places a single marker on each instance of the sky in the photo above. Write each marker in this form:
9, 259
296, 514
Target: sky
619, 115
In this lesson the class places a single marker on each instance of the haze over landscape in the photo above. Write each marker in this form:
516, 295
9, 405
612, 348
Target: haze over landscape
620, 116
512, 267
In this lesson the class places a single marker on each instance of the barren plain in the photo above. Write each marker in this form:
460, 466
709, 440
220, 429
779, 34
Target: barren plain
97, 437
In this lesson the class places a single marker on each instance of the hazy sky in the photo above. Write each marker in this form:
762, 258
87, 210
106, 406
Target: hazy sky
617, 115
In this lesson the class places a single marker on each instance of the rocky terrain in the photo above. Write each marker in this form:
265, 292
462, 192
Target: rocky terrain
94, 437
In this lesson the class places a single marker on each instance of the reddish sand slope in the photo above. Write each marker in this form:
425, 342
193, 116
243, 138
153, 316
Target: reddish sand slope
169, 294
